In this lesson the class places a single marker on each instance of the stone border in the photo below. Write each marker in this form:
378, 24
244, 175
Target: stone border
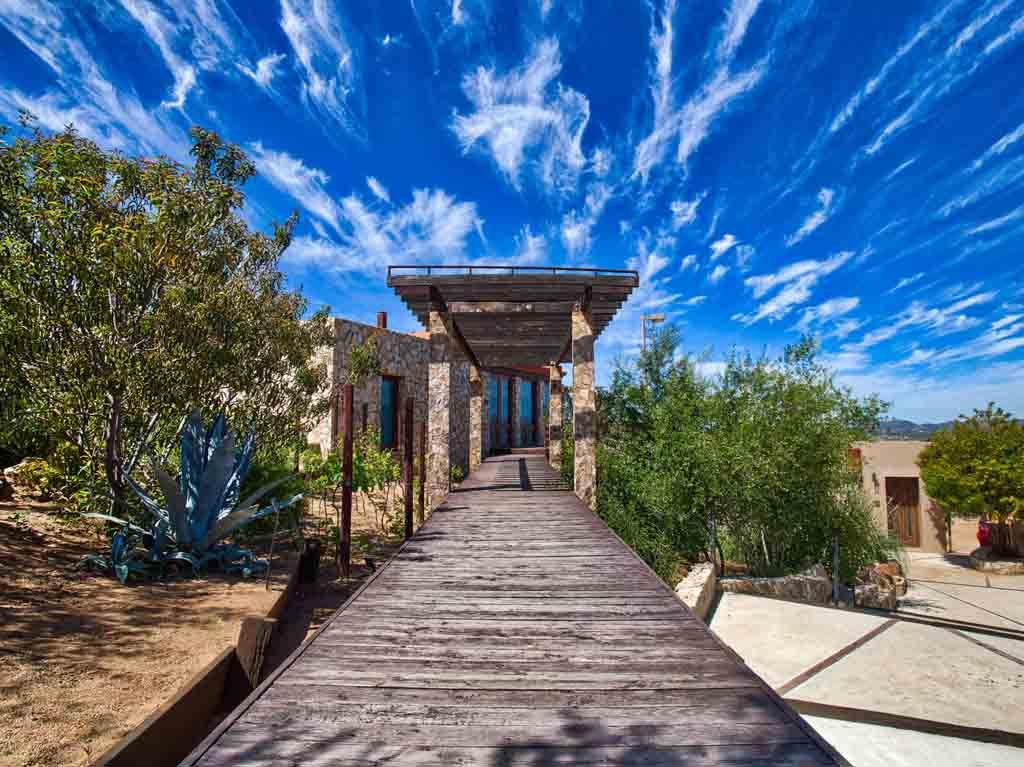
169, 734
697, 590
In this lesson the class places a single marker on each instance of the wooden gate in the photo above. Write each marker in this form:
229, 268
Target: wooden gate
903, 501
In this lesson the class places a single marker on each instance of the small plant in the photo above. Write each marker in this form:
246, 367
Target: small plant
199, 511
363, 361
456, 474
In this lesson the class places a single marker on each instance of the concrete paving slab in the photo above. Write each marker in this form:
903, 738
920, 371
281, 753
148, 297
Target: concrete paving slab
869, 745
991, 606
925, 672
780, 640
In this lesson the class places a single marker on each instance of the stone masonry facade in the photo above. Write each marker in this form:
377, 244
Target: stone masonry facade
405, 357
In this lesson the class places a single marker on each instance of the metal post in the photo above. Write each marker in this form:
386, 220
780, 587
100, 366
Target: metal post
407, 466
345, 549
835, 569
714, 543
423, 471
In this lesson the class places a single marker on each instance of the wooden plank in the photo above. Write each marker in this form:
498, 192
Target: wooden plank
265, 751
514, 627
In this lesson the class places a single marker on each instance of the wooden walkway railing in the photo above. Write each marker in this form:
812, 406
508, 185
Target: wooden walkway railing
513, 629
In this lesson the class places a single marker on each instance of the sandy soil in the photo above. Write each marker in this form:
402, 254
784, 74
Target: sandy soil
82, 659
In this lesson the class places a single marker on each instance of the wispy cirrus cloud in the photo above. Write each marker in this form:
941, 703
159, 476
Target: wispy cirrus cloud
999, 147
433, 226
265, 71
722, 245
685, 211
906, 282
84, 94
688, 262
939, 320
689, 125
934, 23
816, 316
524, 118
826, 207
379, 190
998, 222
795, 283
304, 184
577, 226
718, 274
326, 63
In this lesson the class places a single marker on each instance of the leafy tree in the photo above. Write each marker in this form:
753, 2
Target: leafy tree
976, 469
133, 291
760, 451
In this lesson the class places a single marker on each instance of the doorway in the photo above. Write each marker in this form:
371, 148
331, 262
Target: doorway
903, 502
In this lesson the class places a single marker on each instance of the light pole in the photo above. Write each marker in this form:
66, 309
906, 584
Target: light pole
644, 319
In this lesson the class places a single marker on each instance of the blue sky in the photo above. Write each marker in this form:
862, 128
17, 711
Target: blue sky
854, 170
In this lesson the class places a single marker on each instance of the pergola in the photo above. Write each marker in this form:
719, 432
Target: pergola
500, 317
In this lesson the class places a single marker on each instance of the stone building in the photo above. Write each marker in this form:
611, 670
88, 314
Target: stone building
514, 400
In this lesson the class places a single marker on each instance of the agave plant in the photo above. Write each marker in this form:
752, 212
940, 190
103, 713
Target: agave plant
203, 508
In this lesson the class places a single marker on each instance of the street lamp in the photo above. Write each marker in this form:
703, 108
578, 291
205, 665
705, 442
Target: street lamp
644, 319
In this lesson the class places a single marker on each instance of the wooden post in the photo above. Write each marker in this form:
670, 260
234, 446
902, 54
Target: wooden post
345, 548
407, 466
423, 471
835, 569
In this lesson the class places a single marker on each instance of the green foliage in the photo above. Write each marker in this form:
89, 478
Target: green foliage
762, 450
132, 289
363, 361
456, 475
976, 468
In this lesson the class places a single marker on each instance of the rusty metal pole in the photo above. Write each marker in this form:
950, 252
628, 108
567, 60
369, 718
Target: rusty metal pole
423, 471
345, 553
407, 465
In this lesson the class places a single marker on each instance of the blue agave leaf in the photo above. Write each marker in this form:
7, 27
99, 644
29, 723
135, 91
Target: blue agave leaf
242, 464
177, 516
184, 556
155, 508
215, 435
121, 571
116, 520
211, 488
98, 560
252, 498
193, 459
243, 516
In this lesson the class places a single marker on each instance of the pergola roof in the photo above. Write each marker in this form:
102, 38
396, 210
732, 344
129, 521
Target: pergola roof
509, 316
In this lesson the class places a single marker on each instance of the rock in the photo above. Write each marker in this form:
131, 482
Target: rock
899, 585
20, 487
891, 568
697, 589
800, 588
816, 571
872, 595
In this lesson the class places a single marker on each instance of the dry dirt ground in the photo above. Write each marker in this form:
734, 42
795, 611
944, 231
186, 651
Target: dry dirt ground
83, 659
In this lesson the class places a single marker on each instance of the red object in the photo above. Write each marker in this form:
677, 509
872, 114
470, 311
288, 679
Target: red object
983, 532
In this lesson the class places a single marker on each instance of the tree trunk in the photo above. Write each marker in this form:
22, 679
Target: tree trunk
1002, 539
112, 455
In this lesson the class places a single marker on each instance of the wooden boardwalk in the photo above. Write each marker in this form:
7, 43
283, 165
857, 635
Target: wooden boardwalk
513, 629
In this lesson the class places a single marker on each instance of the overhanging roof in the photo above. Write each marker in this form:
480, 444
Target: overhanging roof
510, 316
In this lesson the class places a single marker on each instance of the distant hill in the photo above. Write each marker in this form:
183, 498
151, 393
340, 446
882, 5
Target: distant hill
895, 428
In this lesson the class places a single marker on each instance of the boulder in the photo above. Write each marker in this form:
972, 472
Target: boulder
873, 595
20, 489
697, 589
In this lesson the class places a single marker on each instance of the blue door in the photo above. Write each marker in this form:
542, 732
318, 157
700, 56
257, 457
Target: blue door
388, 412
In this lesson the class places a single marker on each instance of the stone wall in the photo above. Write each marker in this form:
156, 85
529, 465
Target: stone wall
404, 356
697, 590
